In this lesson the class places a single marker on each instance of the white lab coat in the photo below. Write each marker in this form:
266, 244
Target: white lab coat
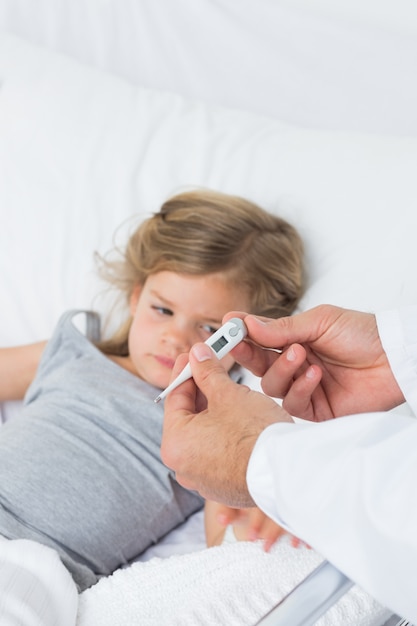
348, 487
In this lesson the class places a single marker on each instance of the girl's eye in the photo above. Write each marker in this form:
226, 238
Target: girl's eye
162, 310
210, 330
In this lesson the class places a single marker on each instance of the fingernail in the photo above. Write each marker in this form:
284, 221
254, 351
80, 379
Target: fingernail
310, 373
201, 352
291, 354
259, 321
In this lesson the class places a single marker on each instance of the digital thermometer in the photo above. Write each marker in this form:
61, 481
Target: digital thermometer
221, 342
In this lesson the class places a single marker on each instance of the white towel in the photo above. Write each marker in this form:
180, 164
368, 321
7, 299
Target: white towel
233, 584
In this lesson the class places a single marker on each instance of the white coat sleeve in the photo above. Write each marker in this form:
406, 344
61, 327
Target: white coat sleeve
348, 486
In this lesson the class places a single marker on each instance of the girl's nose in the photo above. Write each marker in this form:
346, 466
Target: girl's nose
178, 336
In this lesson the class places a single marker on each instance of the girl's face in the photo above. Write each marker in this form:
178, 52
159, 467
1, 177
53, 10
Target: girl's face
170, 313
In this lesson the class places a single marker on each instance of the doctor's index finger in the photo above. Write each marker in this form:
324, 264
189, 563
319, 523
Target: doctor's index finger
283, 331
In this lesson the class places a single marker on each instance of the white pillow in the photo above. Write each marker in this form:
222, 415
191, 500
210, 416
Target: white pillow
347, 65
81, 151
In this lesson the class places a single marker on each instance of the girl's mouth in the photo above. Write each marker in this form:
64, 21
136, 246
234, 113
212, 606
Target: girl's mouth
165, 361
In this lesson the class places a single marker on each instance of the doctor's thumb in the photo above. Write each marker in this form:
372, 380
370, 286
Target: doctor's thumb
205, 366
201, 352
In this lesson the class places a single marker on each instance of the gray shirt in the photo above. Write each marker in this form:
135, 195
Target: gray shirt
80, 468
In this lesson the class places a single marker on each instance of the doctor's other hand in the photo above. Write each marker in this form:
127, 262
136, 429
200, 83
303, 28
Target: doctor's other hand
211, 425
331, 362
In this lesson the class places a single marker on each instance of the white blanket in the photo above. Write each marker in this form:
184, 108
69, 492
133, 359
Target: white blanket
233, 584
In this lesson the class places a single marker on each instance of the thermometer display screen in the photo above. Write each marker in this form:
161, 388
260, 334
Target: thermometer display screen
219, 344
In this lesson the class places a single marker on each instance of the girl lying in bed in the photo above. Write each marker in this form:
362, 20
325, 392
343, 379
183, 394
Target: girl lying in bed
82, 488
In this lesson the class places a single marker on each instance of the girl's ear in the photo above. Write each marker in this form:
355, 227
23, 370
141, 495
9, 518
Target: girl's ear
134, 298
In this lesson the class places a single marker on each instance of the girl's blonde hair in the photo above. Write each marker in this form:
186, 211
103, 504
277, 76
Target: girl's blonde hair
203, 232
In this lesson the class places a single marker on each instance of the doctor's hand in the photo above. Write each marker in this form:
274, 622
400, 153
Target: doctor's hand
331, 363
211, 425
